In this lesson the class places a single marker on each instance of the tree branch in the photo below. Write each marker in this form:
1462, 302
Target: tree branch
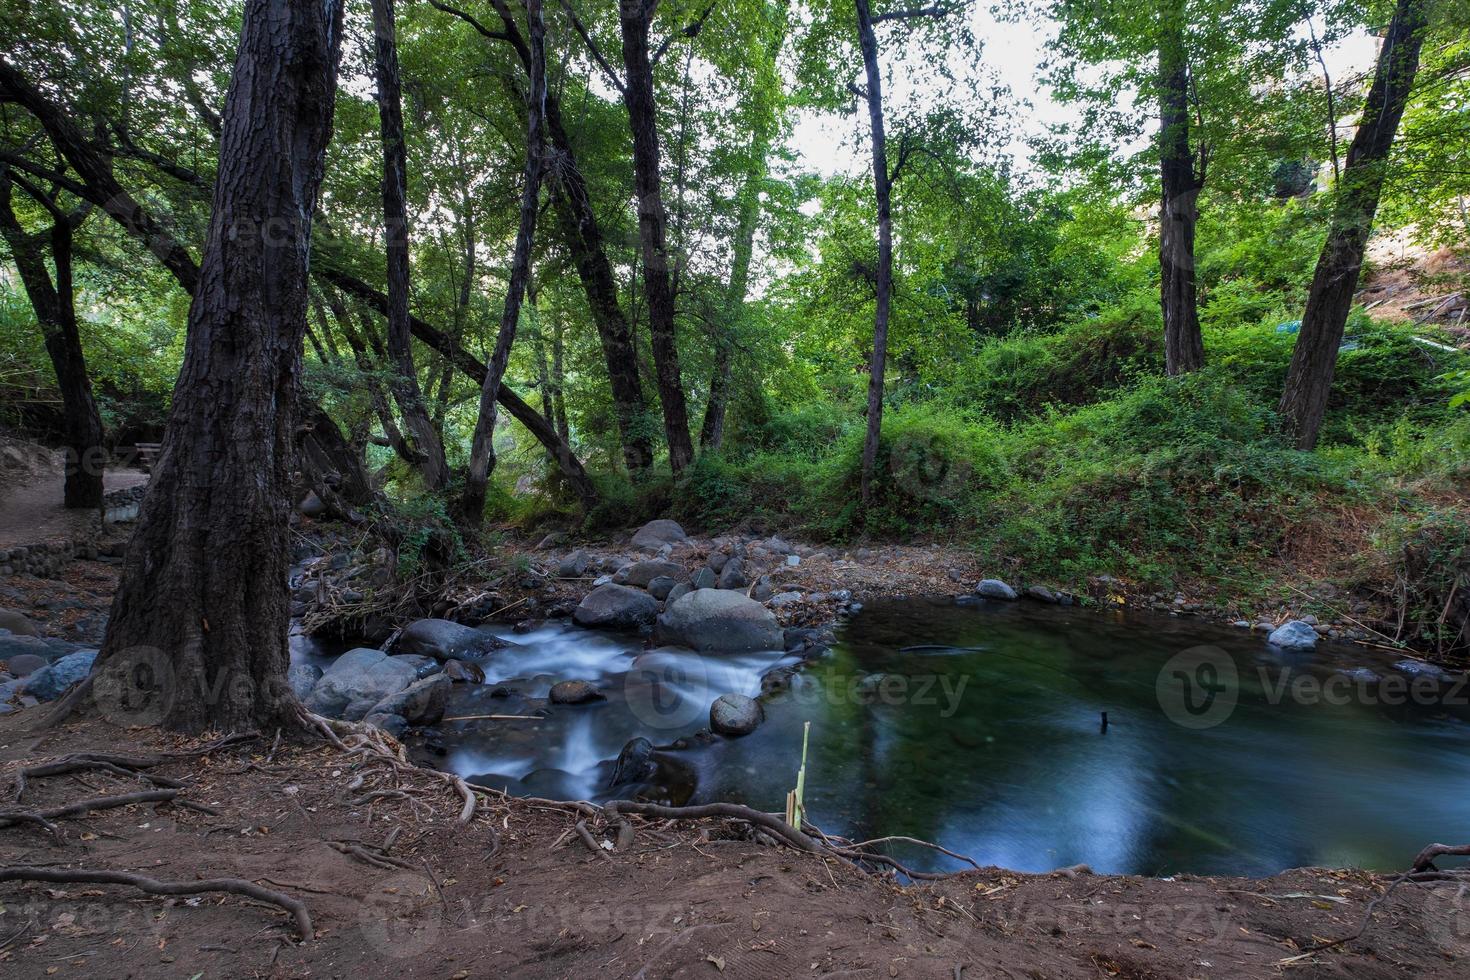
592, 48
690, 31
912, 14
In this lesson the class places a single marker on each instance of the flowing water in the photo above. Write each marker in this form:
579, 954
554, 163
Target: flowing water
978, 725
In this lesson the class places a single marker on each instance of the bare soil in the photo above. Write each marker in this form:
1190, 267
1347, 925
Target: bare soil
517, 893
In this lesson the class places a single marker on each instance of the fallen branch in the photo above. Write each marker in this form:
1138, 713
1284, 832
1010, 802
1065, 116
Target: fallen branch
233, 886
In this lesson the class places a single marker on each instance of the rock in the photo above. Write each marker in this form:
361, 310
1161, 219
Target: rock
732, 576
705, 578
641, 573
793, 560
25, 664
994, 588
616, 607
573, 565
422, 666
1419, 668
660, 587
714, 563
421, 703
12, 646
360, 674
781, 599
552, 540
719, 621
635, 763
602, 580
311, 505
735, 714
302, 678
762, 590
18, 623
445, 640
776, 546
357, 709
459, 670
574, 692
655, 534
52, 680
678, 592
395, 725
1293, 635
1040, 593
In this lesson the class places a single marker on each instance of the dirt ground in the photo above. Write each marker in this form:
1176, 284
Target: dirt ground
516, 892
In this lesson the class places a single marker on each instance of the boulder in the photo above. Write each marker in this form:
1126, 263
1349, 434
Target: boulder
719, 621
714, 563
994, 588
616, 607
422, 666
52, 680
18, 623
395, 725
1293, 635
706, 578
678, 592
1040, 593
735, 714
357, 709
660, 587
25, 664
421, 703
763, 589
655, 534
573, 565
462, 670
361, 674
444, 640
12, 646
641, 573
732, 576
574, 692
302, 678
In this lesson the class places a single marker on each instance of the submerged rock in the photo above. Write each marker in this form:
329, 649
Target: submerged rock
719, 621
1293, 635
655, 534
574, 692
615, 606
994, 588
445, 640
735, 714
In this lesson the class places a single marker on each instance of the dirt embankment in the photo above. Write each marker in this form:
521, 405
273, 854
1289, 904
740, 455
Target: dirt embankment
395, 886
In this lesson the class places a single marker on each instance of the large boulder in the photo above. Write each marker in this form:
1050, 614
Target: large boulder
1293, 635
421, 703
735, 714
614, 606
359, 675
48, 683
655, 534
17, 623
719, 621
302, 678
641, 573
444, 640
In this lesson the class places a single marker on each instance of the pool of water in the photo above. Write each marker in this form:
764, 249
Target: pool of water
978, 725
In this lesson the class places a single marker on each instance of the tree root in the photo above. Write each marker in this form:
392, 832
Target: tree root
8, 817
233, 886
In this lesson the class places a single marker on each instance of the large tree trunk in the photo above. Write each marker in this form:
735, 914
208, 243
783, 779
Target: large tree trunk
883, 189
55, 309
482, 448
1184, 347
1314, 360
421, 431
635, 17
200, 617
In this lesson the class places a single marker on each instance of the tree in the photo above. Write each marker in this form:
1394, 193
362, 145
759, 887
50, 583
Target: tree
1314, 359
1182, 171
482, 450
426, 440
202, 602
54, 303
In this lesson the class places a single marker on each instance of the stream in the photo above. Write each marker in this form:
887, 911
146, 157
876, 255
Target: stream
977, 725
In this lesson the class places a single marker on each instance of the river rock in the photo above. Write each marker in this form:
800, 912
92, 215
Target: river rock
25, 664
1040, 593
12, 645
678, 592
18, 623
421, 703
781, 599
660, 587
705, 578
719, 621
302, 678
52, 680
994, 588
715, 562
1293, 635
395, 725
735, 714
1420, 668
573, 565
360, 674
616, 607
635, 763
655, 534
422, 665
762, 590
732, 576
641, 573
445, 640
464, 670
574, 692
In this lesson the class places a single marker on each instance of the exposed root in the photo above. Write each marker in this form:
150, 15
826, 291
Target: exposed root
233, 886
8, 817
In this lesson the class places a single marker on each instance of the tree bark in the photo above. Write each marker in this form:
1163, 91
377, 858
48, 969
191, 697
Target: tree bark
1314, 359
424, 437
202, 603
636, 17
883, 190
55, 308
1184, 348
482, 448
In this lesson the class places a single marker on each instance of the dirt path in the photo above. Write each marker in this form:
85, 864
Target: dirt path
30, 499
517, 894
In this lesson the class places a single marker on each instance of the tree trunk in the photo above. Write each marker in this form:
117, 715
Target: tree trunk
635, 17
558, 379
1314, 360
883, 189
1184, 348
424, 436
360, 354
56, 314
482, 448
197, 634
